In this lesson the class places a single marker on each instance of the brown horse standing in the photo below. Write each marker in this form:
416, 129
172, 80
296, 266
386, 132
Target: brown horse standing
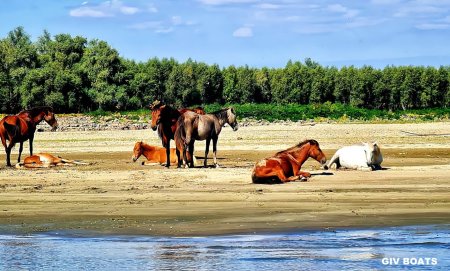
164, 118
285, 165
192, 126
21, 127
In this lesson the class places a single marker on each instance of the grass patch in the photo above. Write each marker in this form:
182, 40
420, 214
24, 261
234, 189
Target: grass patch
295, 112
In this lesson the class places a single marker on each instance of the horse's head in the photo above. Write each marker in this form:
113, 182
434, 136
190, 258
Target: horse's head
156, 115
316, 153
137, 151
49, 117
372, 152
231, 119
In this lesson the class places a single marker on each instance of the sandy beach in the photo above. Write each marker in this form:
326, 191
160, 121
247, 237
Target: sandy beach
115, 195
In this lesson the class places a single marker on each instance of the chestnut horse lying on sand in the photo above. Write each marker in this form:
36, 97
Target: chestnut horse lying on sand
155, 155
44, 160
285, 165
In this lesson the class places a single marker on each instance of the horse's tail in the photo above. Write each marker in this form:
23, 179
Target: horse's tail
11, 129
180, 134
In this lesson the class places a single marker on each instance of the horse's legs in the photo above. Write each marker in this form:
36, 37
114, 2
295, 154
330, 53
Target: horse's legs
267, 173
31, 144
334, 159
6, 150
191, 153
20, 151
177, 151
215, 151
8, 153
208, 141
168, 154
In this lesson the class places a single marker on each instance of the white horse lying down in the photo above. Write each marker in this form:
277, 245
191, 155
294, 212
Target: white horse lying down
364, 157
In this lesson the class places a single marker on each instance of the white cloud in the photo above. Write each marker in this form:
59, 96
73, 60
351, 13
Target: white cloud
268, 6
147, 25
243, 32
338, 8
89, 12
104, 9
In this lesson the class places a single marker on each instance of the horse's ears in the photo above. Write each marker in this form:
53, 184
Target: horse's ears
375, 143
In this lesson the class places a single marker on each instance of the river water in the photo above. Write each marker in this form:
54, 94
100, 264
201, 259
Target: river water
393, 248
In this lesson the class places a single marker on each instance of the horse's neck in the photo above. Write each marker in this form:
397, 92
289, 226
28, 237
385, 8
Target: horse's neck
300, 154
147, 151
30, 118
221, 117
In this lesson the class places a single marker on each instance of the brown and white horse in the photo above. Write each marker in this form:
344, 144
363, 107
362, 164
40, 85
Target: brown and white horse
285, 165
45, 160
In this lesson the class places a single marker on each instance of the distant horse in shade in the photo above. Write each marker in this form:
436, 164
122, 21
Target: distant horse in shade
192, 126
362, 157
164, 119
155, 155
285, 165
21, 127
45, 160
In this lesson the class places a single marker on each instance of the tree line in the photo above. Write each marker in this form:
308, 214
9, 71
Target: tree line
73, 74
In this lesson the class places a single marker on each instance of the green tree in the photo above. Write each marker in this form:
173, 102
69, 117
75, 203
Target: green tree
18, 56
103, 70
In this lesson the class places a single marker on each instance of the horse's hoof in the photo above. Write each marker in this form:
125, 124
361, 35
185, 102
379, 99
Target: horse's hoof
216, 166
303, 179
143, 163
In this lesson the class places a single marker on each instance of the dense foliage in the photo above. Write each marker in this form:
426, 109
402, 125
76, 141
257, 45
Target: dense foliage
74, 74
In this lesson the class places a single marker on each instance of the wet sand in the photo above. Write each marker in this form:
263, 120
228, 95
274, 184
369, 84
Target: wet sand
115, 195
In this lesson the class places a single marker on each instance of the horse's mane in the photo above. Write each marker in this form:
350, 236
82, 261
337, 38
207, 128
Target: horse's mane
36, 110
146, 146
310, 141
222, 113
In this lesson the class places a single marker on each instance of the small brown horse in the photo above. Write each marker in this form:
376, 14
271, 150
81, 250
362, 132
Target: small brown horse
45, 160
285, 165
192, 126
155, 155
164, 118
21, 127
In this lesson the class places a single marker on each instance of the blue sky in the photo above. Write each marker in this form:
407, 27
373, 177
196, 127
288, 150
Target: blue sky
253, 32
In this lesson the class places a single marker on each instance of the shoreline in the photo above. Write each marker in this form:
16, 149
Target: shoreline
115, 195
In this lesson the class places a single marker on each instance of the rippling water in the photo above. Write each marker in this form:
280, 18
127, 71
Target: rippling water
351, 249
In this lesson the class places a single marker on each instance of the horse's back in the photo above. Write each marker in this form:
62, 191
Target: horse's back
353, 157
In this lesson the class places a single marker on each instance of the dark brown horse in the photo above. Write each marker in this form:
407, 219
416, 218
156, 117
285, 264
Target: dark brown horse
285, 165
21, 127
164, 119
192, 126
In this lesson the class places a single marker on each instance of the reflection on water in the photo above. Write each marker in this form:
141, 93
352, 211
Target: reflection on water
305, 250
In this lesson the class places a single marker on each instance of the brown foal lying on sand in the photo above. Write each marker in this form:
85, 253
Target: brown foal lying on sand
45, 160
